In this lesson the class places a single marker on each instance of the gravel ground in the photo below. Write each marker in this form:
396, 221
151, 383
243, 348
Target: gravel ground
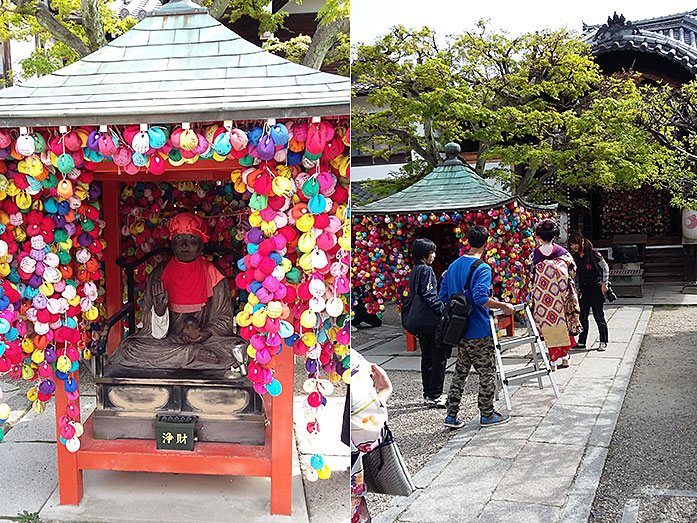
419, 431
655, 441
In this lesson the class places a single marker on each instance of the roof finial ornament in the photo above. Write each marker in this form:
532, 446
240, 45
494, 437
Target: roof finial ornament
179, 7
616, 26
452, 150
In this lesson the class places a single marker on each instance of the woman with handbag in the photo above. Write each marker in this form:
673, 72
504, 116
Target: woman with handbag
555, 302
593, 283
370, 390
423, 314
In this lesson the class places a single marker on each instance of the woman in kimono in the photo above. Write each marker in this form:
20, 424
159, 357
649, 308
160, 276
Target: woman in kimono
555, 301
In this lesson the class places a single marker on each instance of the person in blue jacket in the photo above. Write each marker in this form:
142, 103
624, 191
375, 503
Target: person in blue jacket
476, 349
433, 360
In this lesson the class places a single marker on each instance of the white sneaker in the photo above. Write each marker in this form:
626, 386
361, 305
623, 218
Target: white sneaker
602, 347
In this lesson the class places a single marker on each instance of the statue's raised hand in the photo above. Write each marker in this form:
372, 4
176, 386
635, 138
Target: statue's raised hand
160, 299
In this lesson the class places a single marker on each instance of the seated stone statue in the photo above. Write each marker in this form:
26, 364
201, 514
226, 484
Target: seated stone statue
187, 311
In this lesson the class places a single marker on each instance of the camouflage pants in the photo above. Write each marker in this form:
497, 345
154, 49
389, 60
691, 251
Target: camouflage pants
477, 353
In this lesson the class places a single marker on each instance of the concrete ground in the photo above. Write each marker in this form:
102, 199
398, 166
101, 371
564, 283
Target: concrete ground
29, 475
546, 463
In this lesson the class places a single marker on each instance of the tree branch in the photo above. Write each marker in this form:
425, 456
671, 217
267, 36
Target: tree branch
92, 22
48, 21
525, 181
217, 8
666, 142
413, 142
323, 40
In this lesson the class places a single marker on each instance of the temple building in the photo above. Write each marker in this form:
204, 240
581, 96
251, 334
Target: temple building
661, 50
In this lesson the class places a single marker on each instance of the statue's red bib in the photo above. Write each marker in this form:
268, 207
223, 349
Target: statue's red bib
190, 285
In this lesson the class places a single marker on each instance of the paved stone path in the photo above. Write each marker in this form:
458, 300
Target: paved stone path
30, 478
546, 463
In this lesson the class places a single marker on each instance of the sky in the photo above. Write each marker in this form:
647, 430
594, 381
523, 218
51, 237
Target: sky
372, 18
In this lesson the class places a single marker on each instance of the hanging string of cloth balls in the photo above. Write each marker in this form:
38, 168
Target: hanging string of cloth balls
295, 270
381, 259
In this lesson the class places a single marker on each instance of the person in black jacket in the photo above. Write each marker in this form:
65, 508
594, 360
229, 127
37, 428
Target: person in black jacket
433, 359
593, 275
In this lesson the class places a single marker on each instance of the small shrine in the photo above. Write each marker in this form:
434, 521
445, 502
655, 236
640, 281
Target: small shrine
442, 206
173, 211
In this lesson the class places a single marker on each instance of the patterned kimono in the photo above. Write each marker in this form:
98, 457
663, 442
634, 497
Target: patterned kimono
368, 418
555, 301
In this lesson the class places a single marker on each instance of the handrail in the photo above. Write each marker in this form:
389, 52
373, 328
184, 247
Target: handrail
103, 341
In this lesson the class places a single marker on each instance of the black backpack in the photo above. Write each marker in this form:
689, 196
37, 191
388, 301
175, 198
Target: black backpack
456, 314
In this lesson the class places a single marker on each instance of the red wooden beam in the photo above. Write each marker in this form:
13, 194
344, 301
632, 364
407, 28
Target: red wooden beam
135, 455
69, 474
111, 192
281, 417
201, 170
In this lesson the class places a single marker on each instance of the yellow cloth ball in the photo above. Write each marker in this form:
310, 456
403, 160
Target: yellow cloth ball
38, 356
268, 228
27, 345
253, 300
91, 314
308, 319
259, 318
39, 406
286, 264
255, 219
307, 242
344, 242
324, 472
5, 411
274, 309
75, 301
33, 393
305, 262
305, 222
309, 339
63, 363
27, 372
243, 319
46, 288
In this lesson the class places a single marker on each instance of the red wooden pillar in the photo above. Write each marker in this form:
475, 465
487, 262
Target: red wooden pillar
411, 342
69, 475
282, 437
112, 272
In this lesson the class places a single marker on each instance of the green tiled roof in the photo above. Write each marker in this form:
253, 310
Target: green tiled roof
179, 64
452, 186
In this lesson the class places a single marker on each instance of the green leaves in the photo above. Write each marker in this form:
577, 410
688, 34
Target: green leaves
537, 105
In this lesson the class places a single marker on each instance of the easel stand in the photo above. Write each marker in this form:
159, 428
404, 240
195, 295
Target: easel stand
540, 363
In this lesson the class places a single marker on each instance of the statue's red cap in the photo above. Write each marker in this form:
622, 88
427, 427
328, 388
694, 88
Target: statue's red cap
188, 223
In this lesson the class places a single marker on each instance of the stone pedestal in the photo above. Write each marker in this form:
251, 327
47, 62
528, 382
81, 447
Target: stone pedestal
227, 410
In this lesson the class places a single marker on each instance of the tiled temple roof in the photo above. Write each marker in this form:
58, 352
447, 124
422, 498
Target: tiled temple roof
673, 37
